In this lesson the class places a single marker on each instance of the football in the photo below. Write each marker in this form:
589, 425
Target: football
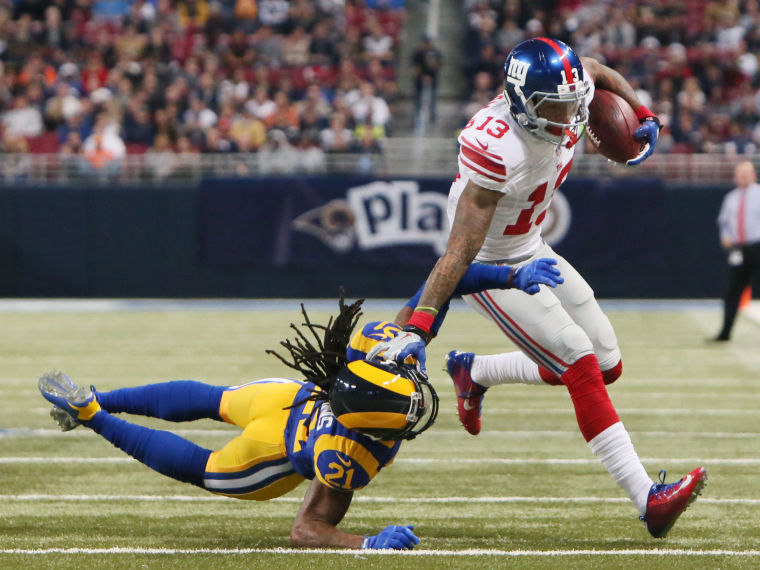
611, 125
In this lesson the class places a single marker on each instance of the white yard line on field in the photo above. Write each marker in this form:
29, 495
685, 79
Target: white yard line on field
360, 499
752, 311
568, 411
528, 433
431, 460
365, 553
266, 305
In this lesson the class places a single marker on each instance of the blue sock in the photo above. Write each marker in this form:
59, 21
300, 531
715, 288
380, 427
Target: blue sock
178, 401
162, 451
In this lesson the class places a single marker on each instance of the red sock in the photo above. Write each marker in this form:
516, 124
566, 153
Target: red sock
613, 373
593, 408
609, 376
549, 377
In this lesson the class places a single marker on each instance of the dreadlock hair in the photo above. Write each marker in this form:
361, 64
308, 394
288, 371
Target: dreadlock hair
321, 363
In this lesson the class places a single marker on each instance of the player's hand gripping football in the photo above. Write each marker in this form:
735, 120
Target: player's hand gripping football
399, 348
392, 536
539, 271
647, 133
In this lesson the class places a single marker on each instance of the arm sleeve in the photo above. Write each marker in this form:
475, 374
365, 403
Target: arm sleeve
479, 277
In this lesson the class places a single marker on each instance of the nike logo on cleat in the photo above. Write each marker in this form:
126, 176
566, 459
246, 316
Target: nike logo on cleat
467, 405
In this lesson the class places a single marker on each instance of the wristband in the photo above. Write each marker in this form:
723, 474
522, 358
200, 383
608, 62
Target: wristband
365, 542
642, 114
511, 277
422, 321
430, 309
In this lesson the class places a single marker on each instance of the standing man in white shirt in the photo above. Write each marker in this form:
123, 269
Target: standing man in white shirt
739, 226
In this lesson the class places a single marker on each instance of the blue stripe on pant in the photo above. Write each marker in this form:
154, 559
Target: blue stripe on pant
249, 480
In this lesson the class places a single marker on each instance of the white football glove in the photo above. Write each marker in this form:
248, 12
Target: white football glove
400, 347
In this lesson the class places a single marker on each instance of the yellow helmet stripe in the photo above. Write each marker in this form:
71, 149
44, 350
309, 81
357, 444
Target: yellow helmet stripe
374, 420
389, 381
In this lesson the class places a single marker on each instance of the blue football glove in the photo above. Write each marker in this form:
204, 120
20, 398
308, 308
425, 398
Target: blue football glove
405, 344
392, 536
539, 271
647, 133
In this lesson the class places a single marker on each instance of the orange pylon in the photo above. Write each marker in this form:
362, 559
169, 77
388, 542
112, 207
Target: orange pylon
745, 298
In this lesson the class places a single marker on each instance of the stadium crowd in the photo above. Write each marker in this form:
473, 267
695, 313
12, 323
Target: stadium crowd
94, 80
693, 62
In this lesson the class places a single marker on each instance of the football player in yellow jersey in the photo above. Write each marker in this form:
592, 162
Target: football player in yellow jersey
338, 427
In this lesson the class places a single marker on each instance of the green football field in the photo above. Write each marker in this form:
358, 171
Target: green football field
525, 493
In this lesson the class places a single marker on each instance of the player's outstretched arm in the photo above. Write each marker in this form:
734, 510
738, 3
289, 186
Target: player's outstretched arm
481, 277
473, 217
607, 78
323, 508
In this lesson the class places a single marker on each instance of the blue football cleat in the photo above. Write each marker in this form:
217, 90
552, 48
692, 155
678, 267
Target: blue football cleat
469, 393
667, 501
77, 402
63, 419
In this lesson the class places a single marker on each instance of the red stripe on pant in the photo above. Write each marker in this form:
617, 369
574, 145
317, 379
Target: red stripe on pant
593, 408
609, 376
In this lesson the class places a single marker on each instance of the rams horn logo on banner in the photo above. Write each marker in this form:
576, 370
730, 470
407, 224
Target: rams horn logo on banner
332, 223
380, 214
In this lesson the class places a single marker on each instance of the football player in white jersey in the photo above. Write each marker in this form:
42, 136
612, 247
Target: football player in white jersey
514, 154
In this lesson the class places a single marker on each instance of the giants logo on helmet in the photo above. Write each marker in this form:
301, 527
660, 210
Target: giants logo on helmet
517, 74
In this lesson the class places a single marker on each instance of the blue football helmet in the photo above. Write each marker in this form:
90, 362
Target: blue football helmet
546, 88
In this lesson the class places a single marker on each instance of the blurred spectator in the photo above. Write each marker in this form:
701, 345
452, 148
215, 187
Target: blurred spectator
509, 36
187, 162
192, 13
261, 106
368, 108
160, 157
104, 149
138, 126
377, 44
426, 62
295, 47
311, 156
322, 46
23, 119
197, 118
62, 106
482, 93
337, 138
17, 162
278, 156
248, 132
369, 148
285, 115
217, 141
273, 13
